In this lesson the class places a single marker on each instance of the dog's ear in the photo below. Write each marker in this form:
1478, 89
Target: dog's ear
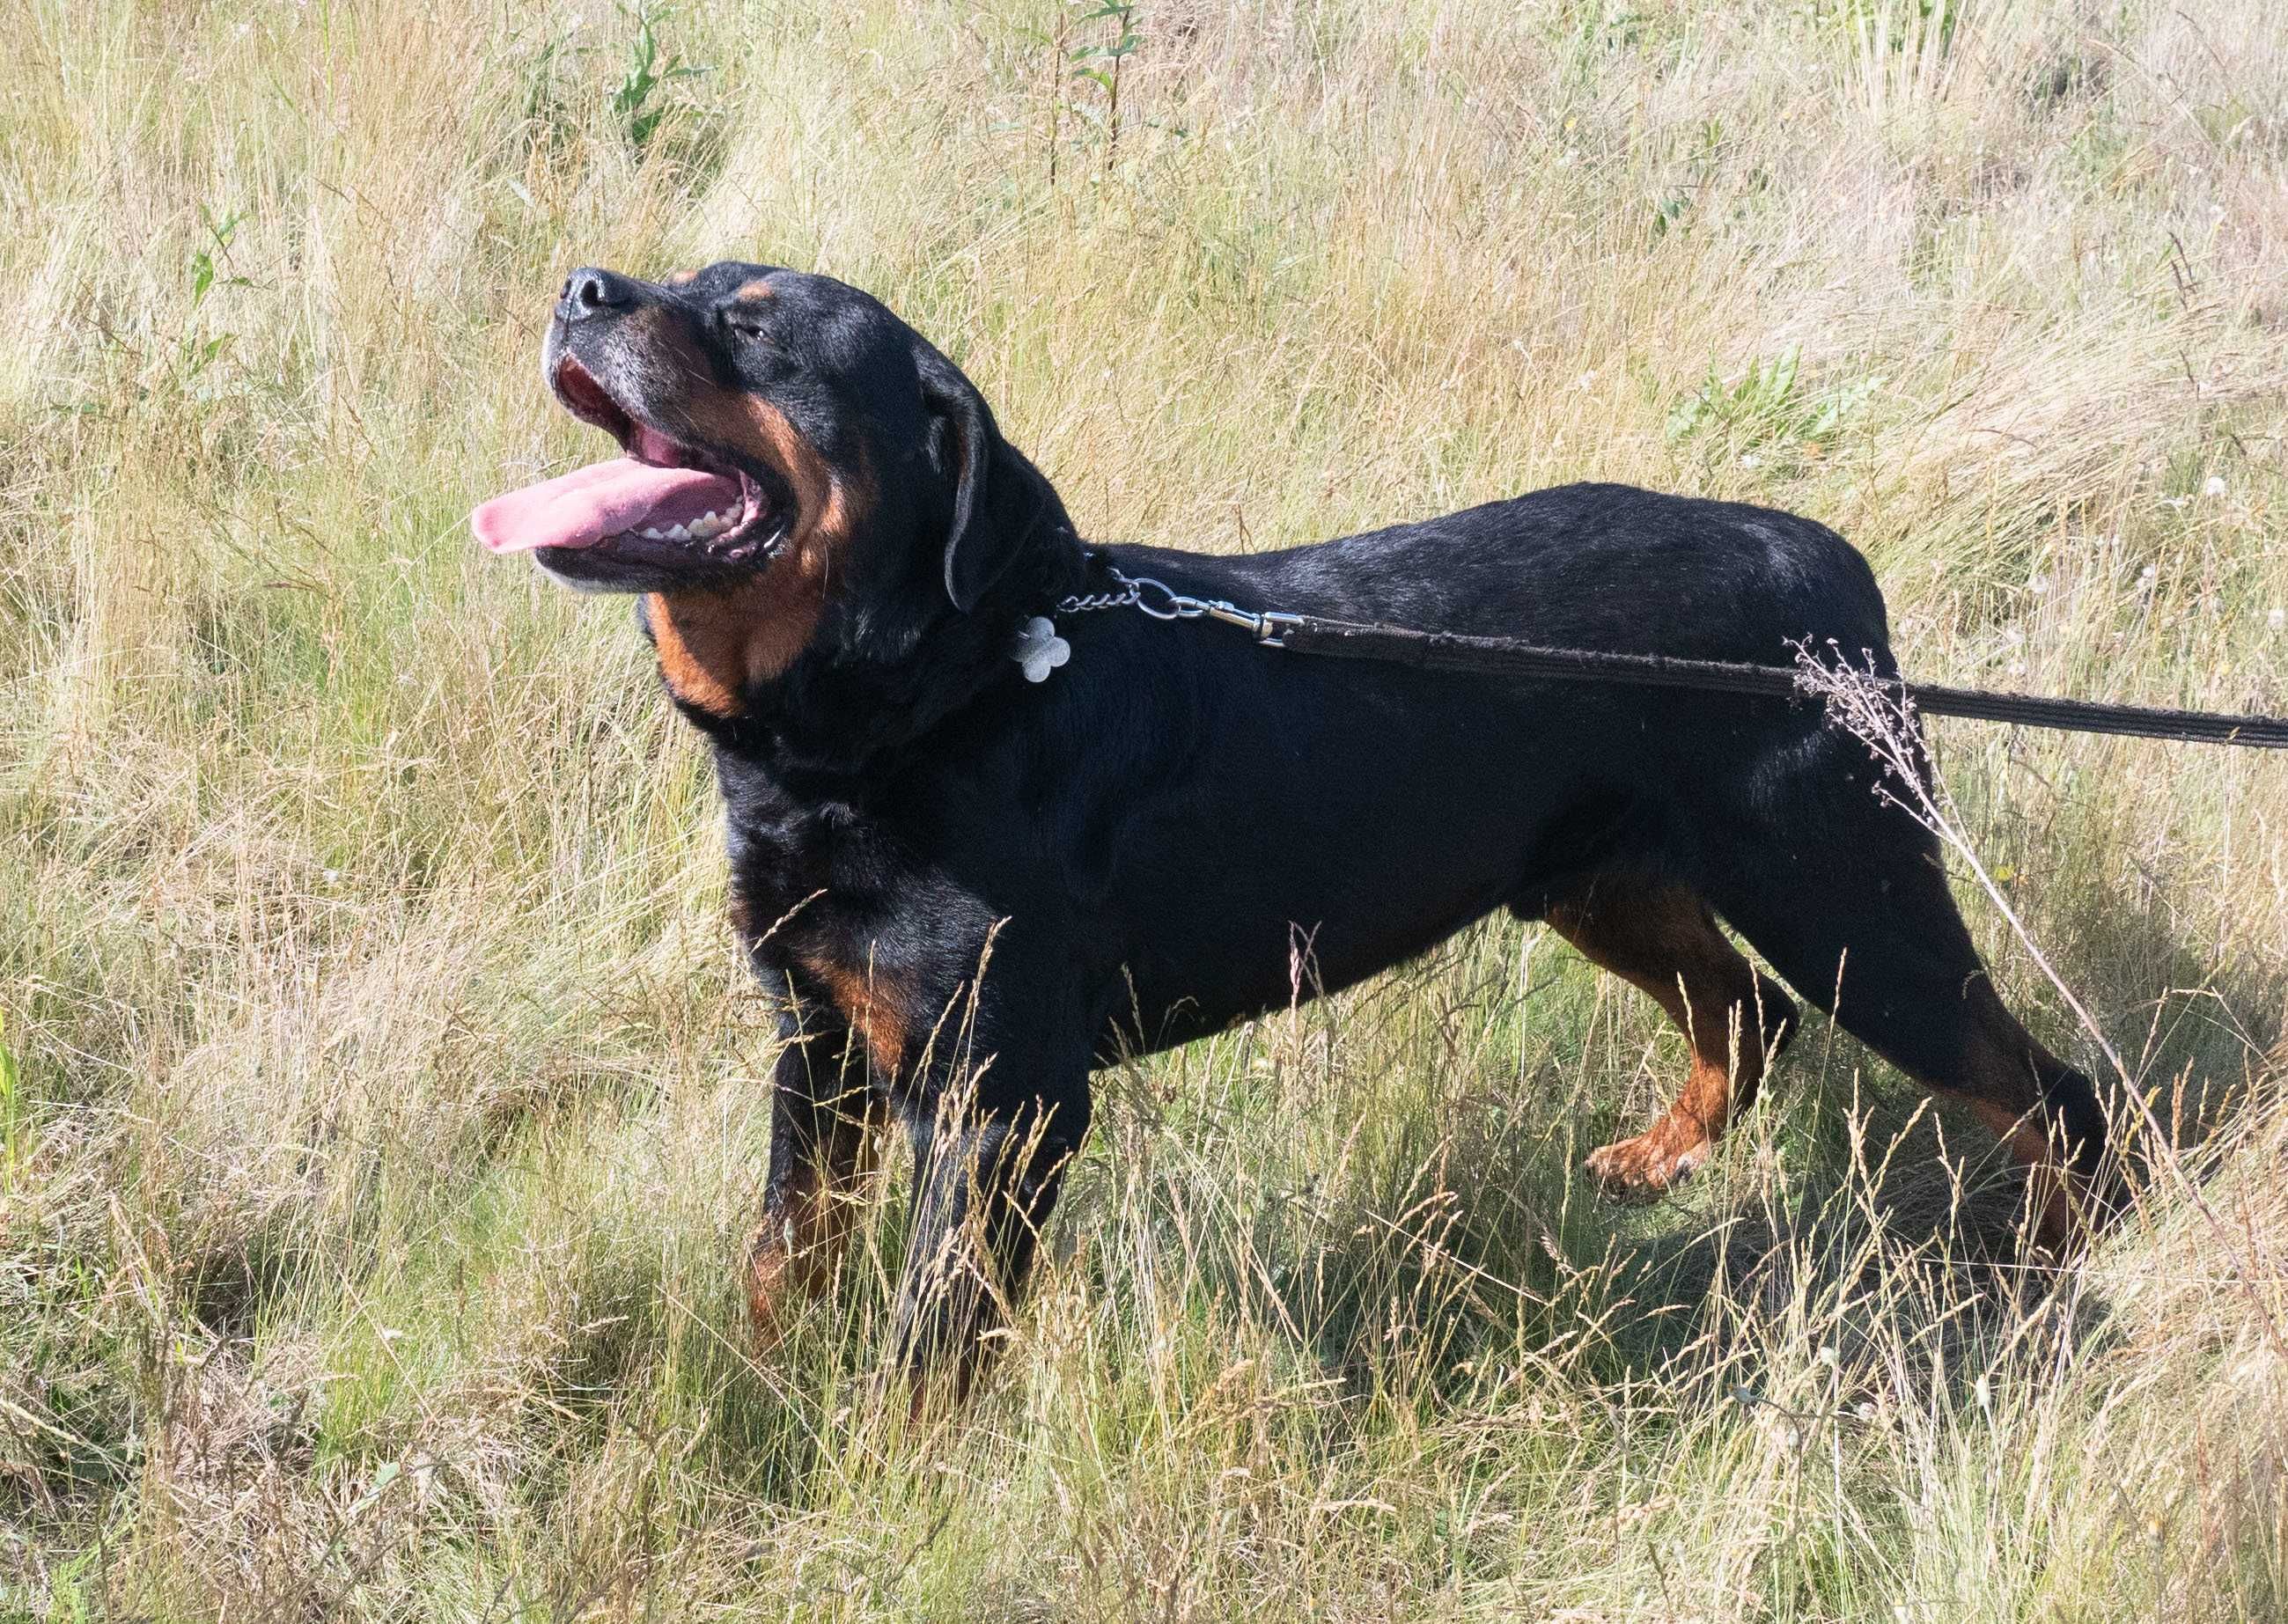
1000, 500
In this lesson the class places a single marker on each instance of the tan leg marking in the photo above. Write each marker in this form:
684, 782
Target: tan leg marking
873, 1003
1662, 940
2004, 1094
796, 1251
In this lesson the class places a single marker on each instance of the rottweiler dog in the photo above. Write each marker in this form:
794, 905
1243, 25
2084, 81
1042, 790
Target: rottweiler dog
972, 889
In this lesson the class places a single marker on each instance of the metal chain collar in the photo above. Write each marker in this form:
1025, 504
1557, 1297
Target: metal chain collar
1162, 602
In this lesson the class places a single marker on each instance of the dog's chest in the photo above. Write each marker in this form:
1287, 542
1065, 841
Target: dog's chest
830, 907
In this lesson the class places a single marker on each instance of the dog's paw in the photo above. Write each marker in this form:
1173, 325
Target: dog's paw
1649, 1166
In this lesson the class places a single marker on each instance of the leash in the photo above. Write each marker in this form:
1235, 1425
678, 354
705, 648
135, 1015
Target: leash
1040, 651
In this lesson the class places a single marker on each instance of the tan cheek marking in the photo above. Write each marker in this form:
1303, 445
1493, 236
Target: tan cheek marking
784, 624
763, 431
697, 636
713, 644
831, 502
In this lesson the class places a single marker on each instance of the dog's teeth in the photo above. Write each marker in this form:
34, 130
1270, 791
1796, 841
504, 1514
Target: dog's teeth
653, 534
678, 534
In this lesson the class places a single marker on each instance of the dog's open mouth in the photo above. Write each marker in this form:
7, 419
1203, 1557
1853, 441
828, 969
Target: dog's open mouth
661, 496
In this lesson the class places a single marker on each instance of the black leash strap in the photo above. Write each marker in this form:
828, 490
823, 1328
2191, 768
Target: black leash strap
1447, 651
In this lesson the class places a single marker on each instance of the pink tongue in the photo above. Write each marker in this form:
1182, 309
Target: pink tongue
581, 508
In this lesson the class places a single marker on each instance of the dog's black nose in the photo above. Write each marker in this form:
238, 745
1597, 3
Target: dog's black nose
592, 292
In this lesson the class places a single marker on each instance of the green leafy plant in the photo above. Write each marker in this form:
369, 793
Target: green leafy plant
1768, 404
640, 104
1101, 64
1097, 63
209, 270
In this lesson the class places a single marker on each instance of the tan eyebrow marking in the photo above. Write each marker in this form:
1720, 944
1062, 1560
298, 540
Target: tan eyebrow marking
758, 288
676, 278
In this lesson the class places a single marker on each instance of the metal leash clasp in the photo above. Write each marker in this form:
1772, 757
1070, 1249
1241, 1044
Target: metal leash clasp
1268, 628
1272, 627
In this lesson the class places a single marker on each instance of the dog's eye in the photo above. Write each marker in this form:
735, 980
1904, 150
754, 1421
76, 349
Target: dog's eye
742, 324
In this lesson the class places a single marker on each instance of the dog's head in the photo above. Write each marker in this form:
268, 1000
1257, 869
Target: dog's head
800, 469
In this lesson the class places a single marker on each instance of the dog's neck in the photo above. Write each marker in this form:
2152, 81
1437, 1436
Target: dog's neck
868, 681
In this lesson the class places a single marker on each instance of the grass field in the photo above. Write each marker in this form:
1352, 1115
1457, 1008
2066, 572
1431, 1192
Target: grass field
381, 1098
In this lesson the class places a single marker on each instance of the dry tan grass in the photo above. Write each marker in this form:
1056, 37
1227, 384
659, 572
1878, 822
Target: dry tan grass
381, 1094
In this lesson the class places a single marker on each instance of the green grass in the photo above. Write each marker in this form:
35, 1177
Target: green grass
381, 1097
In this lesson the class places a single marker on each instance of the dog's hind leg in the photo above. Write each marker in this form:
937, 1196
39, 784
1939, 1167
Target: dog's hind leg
823, 1116
1849, 903
1660, 938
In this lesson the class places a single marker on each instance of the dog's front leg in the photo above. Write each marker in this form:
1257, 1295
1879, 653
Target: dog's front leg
824, 1115
986, 1175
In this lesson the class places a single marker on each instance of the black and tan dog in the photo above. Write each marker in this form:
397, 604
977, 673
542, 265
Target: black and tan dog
835, 550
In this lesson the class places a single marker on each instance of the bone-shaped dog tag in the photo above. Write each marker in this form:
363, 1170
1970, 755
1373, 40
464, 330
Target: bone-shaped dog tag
1039, 648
